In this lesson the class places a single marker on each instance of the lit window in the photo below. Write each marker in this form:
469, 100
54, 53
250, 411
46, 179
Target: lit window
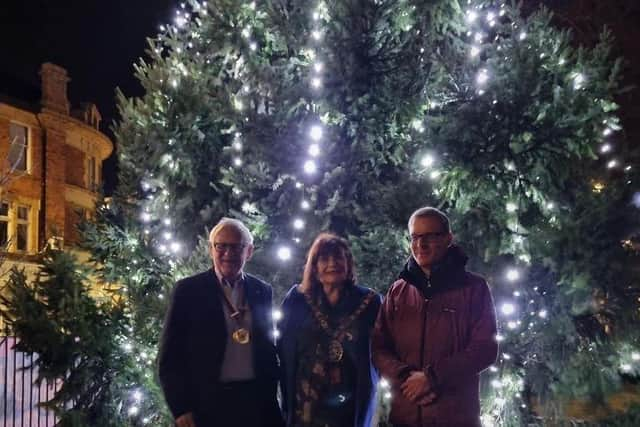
16, 227
18, 139
92, 174
22, 228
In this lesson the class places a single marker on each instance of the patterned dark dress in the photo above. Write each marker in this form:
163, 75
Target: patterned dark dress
325, 395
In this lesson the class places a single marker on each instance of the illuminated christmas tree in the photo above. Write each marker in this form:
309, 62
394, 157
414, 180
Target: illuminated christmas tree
298, 117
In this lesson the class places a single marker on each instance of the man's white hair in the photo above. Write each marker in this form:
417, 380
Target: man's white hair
234, 223
429, 211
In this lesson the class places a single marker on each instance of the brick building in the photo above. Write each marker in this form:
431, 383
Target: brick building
51, 167
50, 173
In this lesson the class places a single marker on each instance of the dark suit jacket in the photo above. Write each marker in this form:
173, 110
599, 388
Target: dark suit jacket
193, 344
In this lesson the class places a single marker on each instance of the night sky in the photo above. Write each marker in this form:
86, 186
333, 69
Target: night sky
98, 41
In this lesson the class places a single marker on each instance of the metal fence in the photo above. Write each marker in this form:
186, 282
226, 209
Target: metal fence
19, 394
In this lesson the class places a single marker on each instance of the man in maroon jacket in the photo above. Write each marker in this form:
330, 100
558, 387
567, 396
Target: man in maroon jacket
436, 331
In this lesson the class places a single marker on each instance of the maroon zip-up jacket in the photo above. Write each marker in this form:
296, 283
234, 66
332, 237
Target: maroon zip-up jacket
444, 325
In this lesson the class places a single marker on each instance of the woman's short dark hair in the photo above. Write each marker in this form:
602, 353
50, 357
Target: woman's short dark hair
326, 244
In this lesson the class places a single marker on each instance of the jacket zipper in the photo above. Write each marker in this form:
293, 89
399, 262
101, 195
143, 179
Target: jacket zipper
424, 329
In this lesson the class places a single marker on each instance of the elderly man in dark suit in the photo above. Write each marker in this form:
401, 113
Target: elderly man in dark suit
217, 360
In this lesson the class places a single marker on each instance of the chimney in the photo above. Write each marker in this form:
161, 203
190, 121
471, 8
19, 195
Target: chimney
54, 81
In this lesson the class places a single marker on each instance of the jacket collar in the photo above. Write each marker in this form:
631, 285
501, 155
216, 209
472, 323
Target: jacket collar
252, 293
446, 275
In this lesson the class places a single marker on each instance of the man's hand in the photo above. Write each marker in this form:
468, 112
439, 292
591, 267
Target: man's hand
185, 420
417, 388
427, 399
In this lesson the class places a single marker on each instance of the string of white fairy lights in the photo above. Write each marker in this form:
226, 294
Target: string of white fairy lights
481, 17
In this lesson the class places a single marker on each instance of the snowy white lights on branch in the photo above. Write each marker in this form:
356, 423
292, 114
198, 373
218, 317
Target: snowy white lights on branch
315, 132
482, 77
472, 15
284, 253
310, 167
508, 309
427, 161
314, 150
512, 275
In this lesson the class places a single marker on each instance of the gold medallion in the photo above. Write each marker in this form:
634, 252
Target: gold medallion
335, 351
241, 336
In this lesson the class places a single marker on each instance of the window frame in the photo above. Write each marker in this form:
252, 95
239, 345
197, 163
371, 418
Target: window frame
13, 221
19, 221
26, 148
5, 246
93, 181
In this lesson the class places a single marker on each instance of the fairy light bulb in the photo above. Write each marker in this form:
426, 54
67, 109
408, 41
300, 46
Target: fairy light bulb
310, 167
482, 77
508, 309
314, 150
427, 161
513, 274
284, 253
316, 132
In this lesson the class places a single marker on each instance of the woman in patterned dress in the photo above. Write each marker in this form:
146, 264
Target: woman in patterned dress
328, 379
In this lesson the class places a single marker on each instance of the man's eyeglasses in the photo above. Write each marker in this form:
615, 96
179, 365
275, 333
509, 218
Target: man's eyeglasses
231, 247
428, 237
